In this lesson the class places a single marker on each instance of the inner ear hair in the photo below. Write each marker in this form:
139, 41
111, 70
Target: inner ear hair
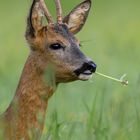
34, 20
78, 16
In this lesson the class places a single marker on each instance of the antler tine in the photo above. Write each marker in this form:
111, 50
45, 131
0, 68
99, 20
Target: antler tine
59, 11
46, 12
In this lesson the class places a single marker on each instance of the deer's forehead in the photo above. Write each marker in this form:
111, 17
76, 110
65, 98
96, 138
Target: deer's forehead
62, 32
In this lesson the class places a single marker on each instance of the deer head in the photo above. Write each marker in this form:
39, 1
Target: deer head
55, 42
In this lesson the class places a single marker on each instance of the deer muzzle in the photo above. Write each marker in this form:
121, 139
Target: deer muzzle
86, 71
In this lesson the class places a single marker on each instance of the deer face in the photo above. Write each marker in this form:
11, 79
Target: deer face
56, 41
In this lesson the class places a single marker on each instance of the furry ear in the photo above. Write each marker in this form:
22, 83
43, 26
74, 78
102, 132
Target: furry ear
34, 21
77, 17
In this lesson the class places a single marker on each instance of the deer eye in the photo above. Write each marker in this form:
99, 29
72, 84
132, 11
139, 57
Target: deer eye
56, 46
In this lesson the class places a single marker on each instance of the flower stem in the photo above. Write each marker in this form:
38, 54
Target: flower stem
121, 80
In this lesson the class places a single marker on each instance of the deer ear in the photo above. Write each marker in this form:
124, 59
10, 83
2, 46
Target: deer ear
77, 17
34, 21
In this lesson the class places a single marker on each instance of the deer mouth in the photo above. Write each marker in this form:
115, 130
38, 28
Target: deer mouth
86, 71
85, 75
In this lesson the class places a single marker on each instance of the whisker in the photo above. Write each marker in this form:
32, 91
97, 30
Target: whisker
88, 40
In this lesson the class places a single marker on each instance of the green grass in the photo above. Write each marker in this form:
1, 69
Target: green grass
99, 109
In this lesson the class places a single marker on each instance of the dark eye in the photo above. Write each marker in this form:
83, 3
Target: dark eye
56, 46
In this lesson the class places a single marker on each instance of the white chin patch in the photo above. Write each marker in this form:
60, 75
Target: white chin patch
85, 77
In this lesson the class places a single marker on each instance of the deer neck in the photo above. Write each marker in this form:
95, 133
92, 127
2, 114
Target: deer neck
33, 80
29, 105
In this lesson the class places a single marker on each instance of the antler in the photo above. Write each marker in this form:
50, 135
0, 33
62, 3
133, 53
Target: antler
59, 11
46, 12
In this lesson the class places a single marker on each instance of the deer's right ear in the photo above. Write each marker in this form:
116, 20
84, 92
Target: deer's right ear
34, 21
77, 17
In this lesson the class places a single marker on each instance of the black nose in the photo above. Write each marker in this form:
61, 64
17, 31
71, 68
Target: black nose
87, 68
91, 66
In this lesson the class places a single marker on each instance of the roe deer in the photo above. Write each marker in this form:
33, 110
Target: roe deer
52, 46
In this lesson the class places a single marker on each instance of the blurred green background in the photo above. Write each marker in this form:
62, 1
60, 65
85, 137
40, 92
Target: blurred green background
98, 109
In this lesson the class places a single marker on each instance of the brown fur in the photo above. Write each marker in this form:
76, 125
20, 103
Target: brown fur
25, 116
28, 108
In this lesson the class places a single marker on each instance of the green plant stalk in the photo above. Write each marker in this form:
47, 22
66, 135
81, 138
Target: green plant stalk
122, 80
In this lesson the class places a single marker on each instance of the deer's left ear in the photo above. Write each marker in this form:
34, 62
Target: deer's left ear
77, 17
